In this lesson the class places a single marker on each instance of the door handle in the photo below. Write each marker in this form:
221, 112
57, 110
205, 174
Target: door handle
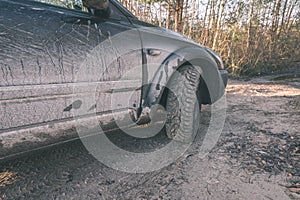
153, 52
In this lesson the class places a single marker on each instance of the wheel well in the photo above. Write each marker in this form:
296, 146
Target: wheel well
202, 92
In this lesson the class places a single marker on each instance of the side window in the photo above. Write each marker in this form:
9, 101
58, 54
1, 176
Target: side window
115, 13
71, 4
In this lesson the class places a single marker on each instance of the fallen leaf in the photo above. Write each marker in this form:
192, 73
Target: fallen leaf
295, 190
7, 178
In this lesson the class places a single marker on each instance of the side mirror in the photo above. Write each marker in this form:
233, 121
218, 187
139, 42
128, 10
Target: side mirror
98, 8
96, 4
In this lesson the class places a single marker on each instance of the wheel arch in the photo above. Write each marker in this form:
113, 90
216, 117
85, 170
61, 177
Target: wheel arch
211, 86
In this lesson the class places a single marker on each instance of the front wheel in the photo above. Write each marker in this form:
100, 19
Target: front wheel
182, 104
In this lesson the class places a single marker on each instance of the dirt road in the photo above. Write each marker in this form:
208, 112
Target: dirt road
256, 157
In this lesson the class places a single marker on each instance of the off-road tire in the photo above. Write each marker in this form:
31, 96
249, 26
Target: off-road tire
182, 104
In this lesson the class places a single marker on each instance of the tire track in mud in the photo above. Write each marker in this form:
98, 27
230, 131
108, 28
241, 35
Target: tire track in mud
258, 151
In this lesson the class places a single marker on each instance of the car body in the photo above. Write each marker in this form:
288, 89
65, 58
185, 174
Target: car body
43, 47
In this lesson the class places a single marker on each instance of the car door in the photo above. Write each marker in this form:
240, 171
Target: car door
123, 49
49, 53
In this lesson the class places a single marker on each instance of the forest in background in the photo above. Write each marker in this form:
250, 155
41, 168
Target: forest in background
252, 36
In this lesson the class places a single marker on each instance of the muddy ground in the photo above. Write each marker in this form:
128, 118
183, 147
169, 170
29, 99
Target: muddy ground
256, 157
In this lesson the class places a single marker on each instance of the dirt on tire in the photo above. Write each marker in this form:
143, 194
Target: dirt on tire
182, 105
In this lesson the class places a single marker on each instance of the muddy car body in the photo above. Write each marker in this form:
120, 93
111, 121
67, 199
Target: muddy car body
46, 51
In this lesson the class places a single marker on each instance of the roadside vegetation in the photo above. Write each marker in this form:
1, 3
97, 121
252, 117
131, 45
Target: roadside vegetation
252, 36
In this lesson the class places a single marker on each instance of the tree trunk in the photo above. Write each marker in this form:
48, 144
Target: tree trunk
185, 17
217, 30
289, 15
178, 15
282, 17
204, 27
190, 32
168, 15
249, 23
160, 10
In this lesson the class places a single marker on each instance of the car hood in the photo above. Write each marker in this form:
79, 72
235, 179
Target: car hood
178, 36
163, 32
